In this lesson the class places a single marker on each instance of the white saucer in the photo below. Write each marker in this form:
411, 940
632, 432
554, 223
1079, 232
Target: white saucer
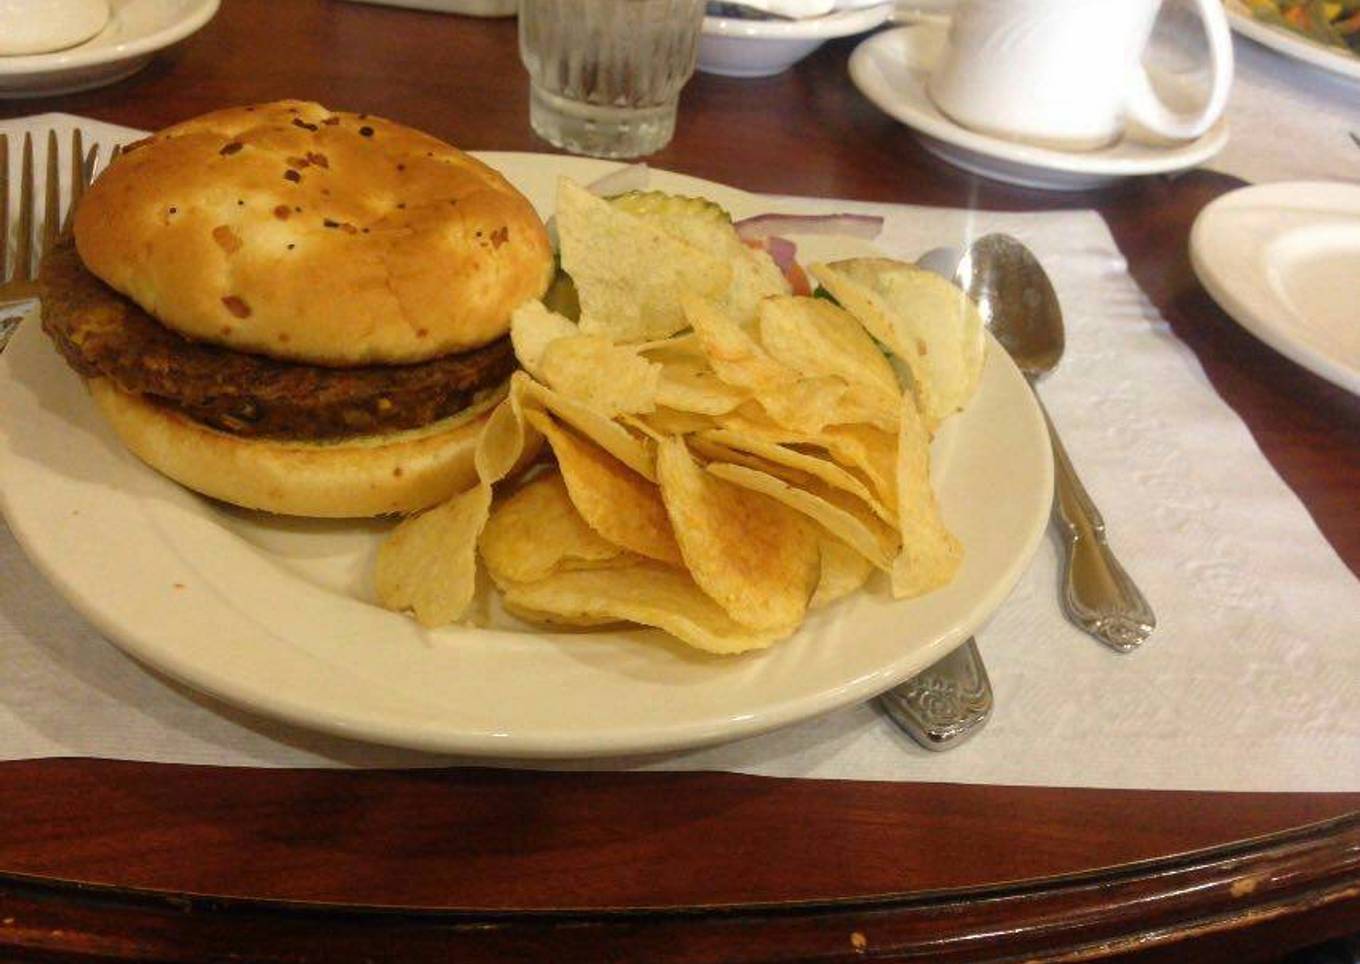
1282, 259
760, 48
136, 30
890, 68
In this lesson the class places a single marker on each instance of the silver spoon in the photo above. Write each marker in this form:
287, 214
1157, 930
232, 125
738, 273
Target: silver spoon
952, 699
1018, 303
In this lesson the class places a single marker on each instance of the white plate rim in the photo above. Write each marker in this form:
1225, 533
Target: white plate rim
1291, 44
927, 120
269, 699
83, 55
1206, 257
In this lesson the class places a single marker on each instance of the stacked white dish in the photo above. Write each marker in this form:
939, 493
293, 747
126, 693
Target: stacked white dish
123, 42
737, 47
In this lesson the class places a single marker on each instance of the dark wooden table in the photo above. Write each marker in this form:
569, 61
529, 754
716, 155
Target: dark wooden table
134, 861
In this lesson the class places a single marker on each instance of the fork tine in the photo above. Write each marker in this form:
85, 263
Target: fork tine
78, 176
51, 195
23, 252
4, 207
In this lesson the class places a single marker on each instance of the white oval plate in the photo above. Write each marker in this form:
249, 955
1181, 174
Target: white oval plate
1292, 44
891, 67
135, 31
276, 615
1284, 261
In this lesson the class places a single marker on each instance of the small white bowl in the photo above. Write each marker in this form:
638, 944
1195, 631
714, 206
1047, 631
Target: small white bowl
760, 48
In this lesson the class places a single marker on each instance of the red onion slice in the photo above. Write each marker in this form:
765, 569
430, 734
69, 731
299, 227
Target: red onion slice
864, 226
634, 177
782, 251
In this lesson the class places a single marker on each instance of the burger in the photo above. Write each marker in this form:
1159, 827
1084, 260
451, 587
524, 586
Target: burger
295, 309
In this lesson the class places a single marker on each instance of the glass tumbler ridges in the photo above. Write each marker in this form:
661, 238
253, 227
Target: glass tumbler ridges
605, 75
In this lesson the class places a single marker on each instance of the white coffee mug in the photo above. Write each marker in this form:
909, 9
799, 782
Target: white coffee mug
1068, 73
42, 26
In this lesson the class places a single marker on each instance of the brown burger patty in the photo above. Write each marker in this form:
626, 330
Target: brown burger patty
102, 333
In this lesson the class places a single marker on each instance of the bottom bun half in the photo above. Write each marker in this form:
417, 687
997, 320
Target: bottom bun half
348, 478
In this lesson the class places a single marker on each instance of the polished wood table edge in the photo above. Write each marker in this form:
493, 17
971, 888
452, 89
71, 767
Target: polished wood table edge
495, 838
1310, 874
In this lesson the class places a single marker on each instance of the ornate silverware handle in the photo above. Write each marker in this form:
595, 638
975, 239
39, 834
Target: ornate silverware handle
1098, 594
945, 703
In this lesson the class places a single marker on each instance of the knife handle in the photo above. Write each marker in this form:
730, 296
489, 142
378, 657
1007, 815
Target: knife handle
1098, 594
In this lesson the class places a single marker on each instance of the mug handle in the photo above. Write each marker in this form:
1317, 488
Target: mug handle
1149, 110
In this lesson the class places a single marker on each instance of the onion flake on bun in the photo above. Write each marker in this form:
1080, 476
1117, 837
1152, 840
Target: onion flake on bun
295, 309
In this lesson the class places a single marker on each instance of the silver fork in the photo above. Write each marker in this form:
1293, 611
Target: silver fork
17, 245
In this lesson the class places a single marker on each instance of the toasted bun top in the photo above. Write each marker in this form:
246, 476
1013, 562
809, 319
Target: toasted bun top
298, 232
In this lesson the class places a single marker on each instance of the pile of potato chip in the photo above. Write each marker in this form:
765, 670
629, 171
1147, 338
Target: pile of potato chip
727, 455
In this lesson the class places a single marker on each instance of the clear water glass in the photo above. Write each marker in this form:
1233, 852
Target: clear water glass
605, 75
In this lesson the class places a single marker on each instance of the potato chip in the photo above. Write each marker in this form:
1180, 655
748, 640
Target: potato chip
807, 405
868, 449
755, 276
931, 555
717, 482
629, 273
607, 378
935, 327
751, 554
733, 354
603, 431
864, 537
506, 442
820, 340
685, 345
706, 226
638, 426
861, 448
559, 622
810, 465
614, 500
871, 525
690, 385
537, 530
843, 571
429, 562
532, 328
711, 451
649, 594
815, 337
668, 421
873, 313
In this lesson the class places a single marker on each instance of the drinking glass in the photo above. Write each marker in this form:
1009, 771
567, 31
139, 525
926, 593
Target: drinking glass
605, 75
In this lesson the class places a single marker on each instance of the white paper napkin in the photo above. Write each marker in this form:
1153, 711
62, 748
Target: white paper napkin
1252, 681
